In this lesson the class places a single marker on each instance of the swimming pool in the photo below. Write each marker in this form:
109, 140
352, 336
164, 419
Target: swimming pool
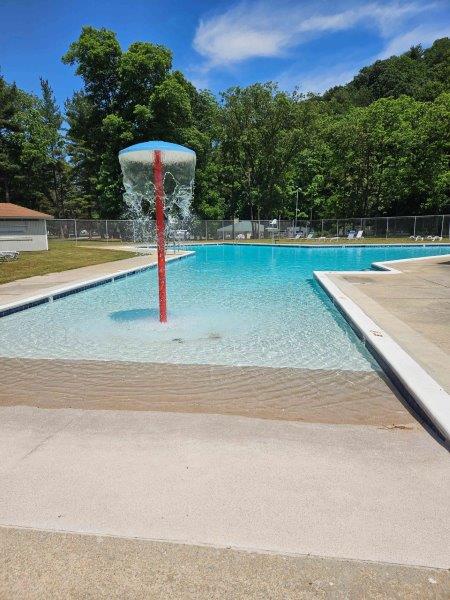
228, 305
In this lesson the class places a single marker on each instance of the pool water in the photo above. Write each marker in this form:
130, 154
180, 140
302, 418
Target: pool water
228, 305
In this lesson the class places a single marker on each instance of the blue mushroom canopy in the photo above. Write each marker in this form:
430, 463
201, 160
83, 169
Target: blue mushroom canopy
145, 152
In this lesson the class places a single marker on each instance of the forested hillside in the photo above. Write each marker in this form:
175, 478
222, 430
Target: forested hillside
376, 146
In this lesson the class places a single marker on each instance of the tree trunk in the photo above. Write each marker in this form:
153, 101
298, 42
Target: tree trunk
7, 194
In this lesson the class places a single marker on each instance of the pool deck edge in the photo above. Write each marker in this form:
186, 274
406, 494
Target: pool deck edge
65, 290
412, 378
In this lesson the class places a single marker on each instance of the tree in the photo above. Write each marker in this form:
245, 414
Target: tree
421, 74
389, 158
377, 145
8, 127
127, 97
57, 170
259, 141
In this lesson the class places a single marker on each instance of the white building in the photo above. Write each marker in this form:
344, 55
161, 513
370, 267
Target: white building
240, 229
22, 228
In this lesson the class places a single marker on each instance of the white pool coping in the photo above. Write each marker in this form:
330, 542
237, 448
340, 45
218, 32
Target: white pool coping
343, 244
417, 382
49, 295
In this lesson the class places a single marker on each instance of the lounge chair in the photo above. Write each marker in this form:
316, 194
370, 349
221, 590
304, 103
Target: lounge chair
360, 234
351, 235
8, 255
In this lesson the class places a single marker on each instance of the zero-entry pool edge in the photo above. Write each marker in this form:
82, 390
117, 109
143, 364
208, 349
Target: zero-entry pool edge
412, 380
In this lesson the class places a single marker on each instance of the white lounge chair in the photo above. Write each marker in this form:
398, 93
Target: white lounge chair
360, 234
8, 255
351, 235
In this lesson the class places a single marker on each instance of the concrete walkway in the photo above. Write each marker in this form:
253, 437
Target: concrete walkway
354, 492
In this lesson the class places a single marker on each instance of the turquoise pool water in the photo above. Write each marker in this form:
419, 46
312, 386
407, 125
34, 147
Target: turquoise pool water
228, 305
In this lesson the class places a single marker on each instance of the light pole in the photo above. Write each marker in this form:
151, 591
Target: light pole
296, 209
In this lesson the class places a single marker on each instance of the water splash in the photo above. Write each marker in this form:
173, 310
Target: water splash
139, 196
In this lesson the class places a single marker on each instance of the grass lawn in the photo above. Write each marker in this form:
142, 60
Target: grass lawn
61, 256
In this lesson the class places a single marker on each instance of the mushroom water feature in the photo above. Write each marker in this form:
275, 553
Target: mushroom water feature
158, 178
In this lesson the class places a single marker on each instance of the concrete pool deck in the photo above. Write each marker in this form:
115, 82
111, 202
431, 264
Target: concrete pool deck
412, 305
100, 495
403, 316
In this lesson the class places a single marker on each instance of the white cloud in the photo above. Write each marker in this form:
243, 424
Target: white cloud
262, 29
326, 77
319, 80
423, 34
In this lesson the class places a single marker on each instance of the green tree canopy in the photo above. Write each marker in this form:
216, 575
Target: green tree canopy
377, 145
127, 97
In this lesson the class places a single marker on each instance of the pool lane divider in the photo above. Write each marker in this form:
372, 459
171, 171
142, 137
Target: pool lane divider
413, 381
74, 288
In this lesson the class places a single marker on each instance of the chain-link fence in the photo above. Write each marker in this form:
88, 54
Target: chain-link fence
429, 227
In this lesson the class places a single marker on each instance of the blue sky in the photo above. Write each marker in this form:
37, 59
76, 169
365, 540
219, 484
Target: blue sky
217, 44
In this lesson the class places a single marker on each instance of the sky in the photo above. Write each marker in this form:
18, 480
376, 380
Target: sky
310, 44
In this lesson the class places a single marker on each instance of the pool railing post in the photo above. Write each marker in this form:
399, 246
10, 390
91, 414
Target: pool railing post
158, 180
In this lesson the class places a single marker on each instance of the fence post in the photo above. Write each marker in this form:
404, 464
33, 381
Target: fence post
106, 230
337, 227
442, 227
387, 227
322, 228
415, 222
206, 229
75, 230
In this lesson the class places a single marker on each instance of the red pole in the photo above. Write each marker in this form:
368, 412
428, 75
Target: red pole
158, 178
